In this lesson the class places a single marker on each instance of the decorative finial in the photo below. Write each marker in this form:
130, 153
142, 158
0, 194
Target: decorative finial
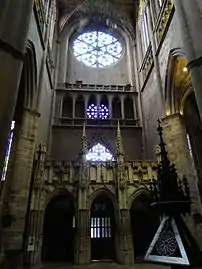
164, 155
84, 129
119, 142
84, 145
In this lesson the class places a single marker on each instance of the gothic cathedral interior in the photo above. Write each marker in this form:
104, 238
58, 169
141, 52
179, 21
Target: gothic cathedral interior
82, 86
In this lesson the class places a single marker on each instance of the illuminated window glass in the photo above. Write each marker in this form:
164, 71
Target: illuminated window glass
160, 2
97, 49
145, 32
99, 153
8, 150
94, 113
100, 227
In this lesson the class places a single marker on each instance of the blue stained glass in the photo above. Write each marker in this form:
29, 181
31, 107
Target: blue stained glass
92, 112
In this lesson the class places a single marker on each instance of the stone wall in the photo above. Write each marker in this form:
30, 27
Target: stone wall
62, 177
116, 74
66, 143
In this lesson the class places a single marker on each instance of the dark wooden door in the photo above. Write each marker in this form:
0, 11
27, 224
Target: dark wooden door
102, 230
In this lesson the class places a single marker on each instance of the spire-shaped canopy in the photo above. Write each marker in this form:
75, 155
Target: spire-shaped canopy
119, 142
84, 146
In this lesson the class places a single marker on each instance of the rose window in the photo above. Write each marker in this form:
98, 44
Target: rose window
97, 49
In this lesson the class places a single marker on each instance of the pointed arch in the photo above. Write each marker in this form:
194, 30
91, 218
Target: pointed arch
30, 69
59, 228
27, 93
128, 108
57, 192
106, 192
116, 108
104, 108
67, 106
98, 137
144, 223
102, 227
80, 107
178, 83
92, 108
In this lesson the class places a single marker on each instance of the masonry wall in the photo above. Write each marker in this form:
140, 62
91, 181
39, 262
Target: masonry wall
43, 82
113, 75
153, 105
66, 144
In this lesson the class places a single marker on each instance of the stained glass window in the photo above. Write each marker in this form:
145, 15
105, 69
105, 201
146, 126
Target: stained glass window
8, 150
99, 153
97, 49
94, 113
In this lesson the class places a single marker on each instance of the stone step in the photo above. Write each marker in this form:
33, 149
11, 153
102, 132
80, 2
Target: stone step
101, 265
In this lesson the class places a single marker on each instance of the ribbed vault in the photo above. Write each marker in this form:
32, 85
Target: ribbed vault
121, 12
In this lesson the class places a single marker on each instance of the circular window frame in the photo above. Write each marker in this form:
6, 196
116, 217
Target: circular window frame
114, 34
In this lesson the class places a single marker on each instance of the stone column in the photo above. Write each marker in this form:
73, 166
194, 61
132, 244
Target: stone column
125, 246
190, 23
19, 178
126, 255
176, 140
14, 25
73, 107
122, 108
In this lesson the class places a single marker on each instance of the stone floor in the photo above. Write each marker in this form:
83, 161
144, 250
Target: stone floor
100, 265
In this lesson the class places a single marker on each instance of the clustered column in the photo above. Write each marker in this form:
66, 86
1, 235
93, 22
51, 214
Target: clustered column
177, 145
190, 23
12, 50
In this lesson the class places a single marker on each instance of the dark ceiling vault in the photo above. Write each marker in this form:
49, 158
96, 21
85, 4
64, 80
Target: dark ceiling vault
122, 10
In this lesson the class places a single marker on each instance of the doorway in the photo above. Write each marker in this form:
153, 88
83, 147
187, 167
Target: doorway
144, 225
102, 229
59, 229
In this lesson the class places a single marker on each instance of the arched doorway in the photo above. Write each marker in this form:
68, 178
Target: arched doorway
144, 225
102, 229
58, 230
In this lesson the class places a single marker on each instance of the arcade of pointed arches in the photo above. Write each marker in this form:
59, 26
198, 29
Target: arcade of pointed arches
102, 225
104, 108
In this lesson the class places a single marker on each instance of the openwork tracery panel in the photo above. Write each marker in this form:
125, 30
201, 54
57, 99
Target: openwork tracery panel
97, 49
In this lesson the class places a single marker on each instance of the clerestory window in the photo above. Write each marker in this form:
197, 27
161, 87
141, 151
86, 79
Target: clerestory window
8, 150
97, 49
